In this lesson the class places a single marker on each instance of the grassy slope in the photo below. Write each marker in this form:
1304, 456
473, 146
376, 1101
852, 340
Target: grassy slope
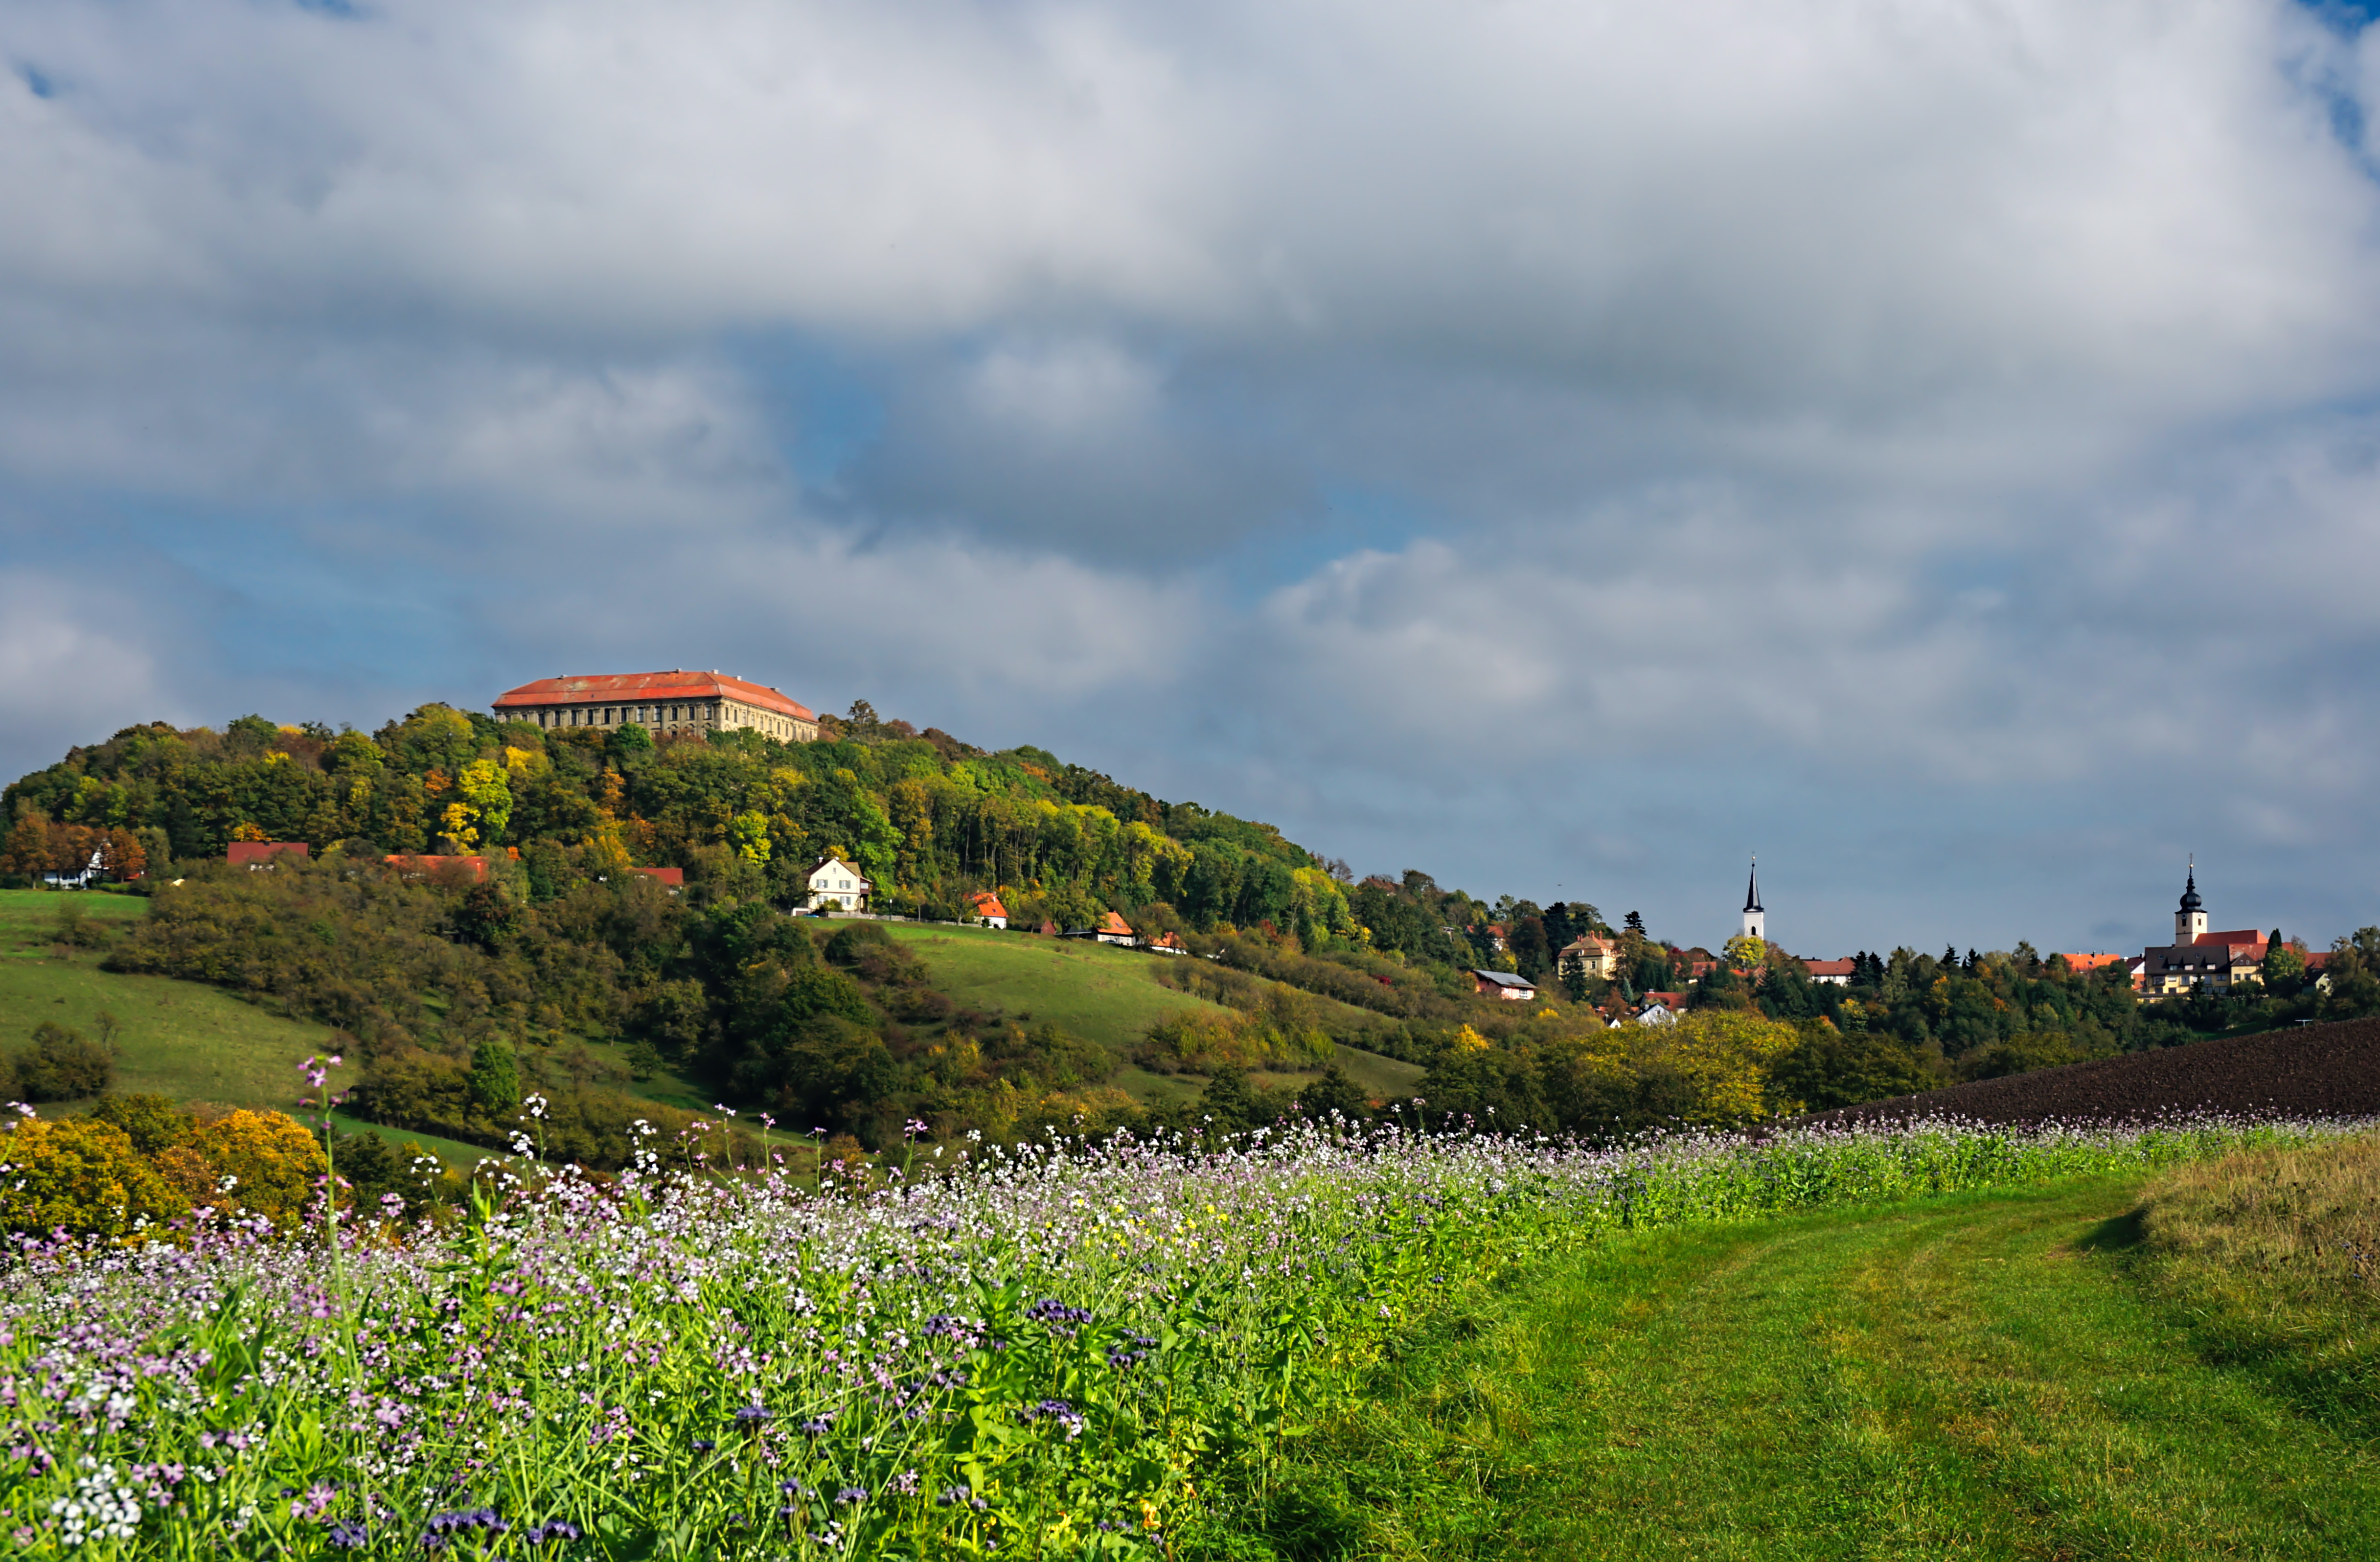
1973, 1376
1097, 991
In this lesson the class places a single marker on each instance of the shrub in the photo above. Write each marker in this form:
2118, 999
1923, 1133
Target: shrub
273, 1165
152, 1122
81, 1176
62, 1066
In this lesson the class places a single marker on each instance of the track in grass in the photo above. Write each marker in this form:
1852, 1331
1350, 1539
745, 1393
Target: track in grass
1962, 1377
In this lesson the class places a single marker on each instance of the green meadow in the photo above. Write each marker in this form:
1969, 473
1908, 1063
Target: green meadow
1101, 993
1987, 1375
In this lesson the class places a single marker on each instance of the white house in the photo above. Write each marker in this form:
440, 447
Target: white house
837, 885
1656, 1014
1114, 929
986, 910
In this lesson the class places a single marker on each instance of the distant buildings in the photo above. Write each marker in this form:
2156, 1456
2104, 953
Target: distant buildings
676, 702
2219, 960
1503, 984
1755, 920
1833, 973
987, 911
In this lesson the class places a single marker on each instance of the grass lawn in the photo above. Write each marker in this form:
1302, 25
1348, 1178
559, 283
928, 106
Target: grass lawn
27, 916
181, 1039
1971, 1376
1095, 991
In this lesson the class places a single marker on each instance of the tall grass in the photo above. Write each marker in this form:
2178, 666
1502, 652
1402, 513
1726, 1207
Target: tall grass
1063, 1351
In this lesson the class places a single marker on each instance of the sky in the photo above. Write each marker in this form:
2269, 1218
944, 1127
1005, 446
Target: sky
1562, 445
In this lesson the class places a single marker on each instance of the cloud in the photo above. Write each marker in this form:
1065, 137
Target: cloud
1507, 436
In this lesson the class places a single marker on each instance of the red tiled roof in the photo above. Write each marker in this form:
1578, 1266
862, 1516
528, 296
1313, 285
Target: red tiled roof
431, 865
256, 851
986, 904
1669, 1000
2235, 937
1831, 967
1116, 924
674, 877
1173, 941
677, 684
2090, 962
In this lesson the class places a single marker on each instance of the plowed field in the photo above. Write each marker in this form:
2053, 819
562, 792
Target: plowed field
2308, 1071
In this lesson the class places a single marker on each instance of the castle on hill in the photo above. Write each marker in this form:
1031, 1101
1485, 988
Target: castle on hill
676, 702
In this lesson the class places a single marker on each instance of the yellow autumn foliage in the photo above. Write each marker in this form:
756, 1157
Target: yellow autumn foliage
80, 1176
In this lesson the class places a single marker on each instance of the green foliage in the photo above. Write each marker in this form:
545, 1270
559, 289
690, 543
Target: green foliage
493, 1083
61, 1064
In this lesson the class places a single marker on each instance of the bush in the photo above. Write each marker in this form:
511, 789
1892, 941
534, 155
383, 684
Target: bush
62, 1066
273, 1165
152, 1122
80, 1176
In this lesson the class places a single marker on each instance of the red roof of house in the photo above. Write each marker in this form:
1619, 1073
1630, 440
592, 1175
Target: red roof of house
2236, 937
431, 865
677, 684
256, 851
1173, 941
674, 877
987, 904
1831, 967
2089, 962
1116, 924
1667, 1000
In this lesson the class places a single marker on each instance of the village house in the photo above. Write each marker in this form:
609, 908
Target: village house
1600, 957
1832, 973
1502, 984
836, 884
424, 866
1661, 1008
986, 910
1167, 944
674, 703
1114, 929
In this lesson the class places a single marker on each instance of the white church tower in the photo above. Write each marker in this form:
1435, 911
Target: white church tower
2191, 920
1755, 920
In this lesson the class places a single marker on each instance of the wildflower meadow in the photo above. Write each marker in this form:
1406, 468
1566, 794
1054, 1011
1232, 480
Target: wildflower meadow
1070, 1348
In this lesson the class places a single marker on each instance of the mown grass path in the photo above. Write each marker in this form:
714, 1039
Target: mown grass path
1965, 1377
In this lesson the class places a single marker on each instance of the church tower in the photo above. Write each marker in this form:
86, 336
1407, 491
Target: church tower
2191, 920
1755, 920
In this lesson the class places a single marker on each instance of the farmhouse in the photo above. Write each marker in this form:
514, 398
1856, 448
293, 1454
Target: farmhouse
1502, 984
1832, 973
676, 702
986, 910
834, 883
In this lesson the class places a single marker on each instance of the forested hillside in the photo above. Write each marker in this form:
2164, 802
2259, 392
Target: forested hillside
930, 819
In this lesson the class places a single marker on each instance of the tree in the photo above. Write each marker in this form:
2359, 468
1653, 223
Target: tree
1334, 1092
264, 1162
1574, 976
748, 833
152, 1122
28, 844
1746, 953
495, 1084
1636, 923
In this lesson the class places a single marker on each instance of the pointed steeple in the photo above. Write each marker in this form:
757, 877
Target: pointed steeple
1752, 892
2190, 900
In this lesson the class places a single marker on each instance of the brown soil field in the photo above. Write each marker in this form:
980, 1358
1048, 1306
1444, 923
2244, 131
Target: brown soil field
2307, 1071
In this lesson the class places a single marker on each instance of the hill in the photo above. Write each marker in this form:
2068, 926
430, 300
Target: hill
2309, 1071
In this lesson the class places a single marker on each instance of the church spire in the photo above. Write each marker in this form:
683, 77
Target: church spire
1752, 893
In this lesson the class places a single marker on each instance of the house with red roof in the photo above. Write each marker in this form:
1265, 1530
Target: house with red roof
986, 908
429, 866
1167, 944
674, 703
1833, 973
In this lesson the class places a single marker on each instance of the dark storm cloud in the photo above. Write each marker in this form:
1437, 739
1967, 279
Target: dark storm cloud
1544, 444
